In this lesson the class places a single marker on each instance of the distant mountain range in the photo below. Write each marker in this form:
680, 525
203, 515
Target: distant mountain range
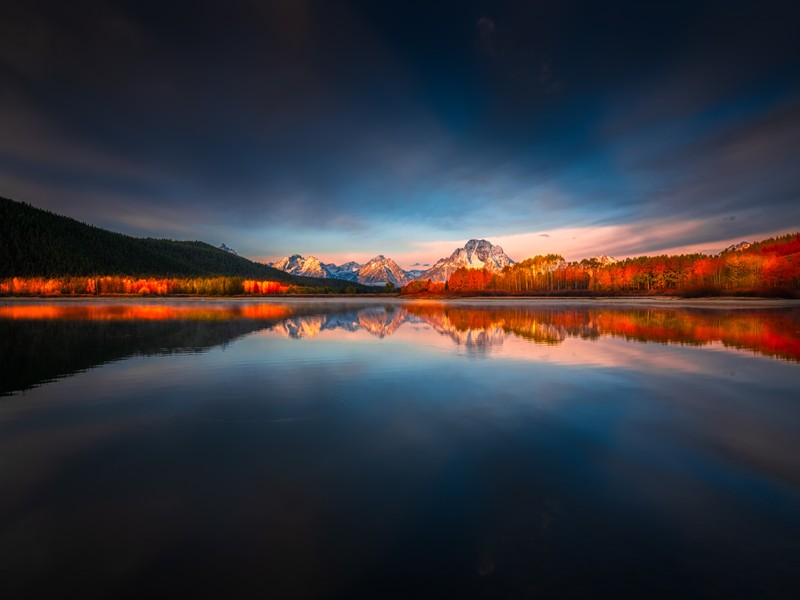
377, 272
476, 254
297, 265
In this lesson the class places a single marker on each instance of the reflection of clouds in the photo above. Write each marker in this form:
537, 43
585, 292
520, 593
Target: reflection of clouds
606, 352
763, 440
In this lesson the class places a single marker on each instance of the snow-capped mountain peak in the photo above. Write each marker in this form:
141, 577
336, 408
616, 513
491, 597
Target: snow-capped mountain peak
602, 260
380, 271
737, 247
476, 254
297, 265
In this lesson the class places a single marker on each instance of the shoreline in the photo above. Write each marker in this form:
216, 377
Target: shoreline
722, 302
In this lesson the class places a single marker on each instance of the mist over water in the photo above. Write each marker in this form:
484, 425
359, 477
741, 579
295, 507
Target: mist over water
313, 449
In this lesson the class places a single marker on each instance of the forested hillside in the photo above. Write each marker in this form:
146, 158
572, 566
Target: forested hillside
38, 243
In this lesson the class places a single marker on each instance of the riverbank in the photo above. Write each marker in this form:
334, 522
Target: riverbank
723, 302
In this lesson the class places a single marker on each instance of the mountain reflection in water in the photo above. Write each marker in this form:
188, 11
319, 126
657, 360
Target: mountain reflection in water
51, 340
387, 449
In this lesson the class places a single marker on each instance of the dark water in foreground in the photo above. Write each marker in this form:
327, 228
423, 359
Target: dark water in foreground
389, 450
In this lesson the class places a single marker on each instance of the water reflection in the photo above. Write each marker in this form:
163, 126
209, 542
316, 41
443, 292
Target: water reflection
40, 342
395, 450
771, 332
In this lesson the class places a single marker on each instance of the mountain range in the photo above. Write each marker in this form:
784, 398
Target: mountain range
376, 272
476, 254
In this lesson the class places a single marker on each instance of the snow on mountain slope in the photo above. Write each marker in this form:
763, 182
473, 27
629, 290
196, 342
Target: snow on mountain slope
297, 265
380, 271
602, 260
476, 254
737, 247
347, 271
413, 274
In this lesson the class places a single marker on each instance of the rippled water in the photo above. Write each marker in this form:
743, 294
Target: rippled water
379, 449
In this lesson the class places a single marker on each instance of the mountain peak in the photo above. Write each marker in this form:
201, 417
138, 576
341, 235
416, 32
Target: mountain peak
603, 260
737, 247
380, 271
476, 254
297, 265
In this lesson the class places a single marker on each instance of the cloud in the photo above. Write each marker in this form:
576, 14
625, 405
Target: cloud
702, 170
31, 137
332, 129
633, 239
486, 36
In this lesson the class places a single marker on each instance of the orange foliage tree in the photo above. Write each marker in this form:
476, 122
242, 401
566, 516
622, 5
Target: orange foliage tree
464, 279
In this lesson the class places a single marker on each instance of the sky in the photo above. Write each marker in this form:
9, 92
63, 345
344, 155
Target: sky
349, 129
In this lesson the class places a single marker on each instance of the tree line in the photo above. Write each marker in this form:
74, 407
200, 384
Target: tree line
58, 251
770, 266
146, 286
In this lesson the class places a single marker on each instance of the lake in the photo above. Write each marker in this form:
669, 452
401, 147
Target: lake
388, 449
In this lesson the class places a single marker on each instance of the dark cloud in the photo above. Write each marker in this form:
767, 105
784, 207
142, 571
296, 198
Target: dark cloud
369, 120
744, 167
486, 34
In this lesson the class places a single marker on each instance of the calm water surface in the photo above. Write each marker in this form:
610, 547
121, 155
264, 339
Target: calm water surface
399, 450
